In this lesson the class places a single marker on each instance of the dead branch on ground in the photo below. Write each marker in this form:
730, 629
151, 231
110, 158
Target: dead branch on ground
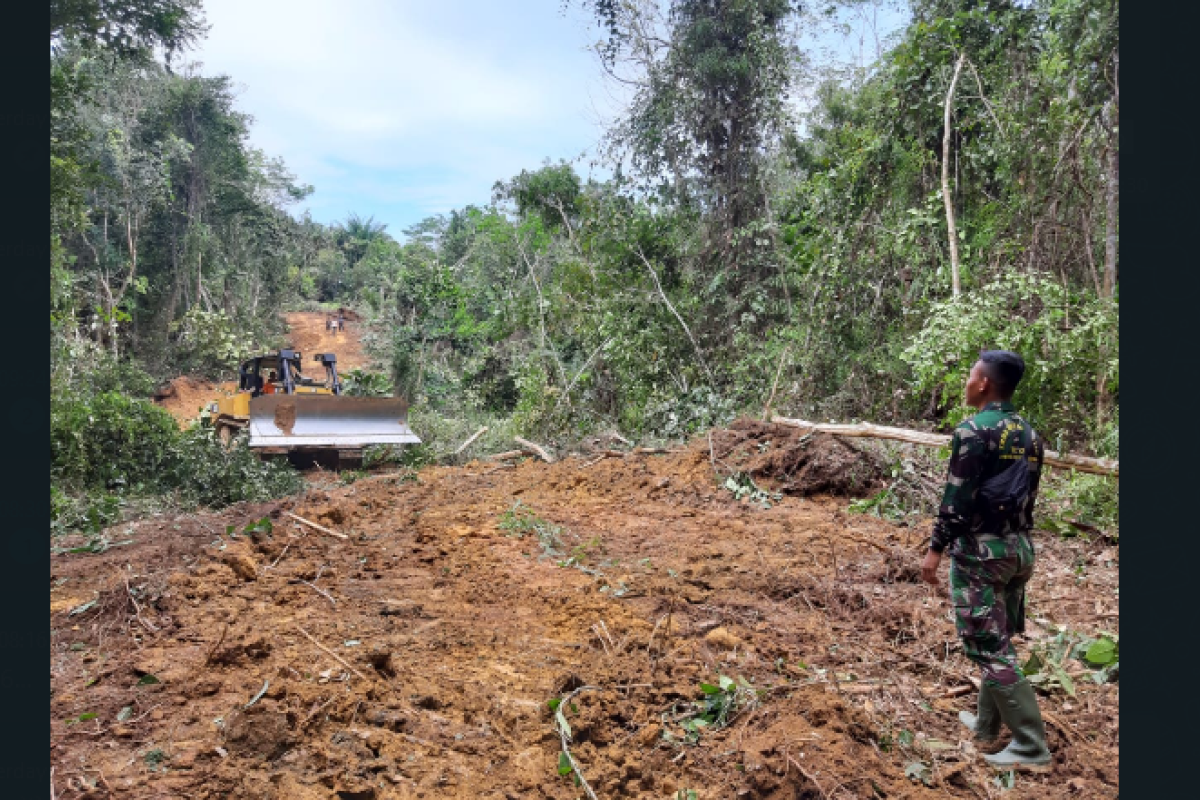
315, 526
535, 448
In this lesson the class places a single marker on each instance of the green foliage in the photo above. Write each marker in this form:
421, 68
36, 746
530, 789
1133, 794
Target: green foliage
110, 442
110, 446
883, 504
210, 341
677, 415
1071, 503
155, 758
718, 706
127, 28
745, 490
552, 192
797, 262
252, 529
1069, 346
521, 520
204, 472
364, 383
1046, 667
89, 512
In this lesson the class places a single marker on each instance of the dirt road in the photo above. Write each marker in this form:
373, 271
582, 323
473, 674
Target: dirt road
185, 396
416, 657
307, 333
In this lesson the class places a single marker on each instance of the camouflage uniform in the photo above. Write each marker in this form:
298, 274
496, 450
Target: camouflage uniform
991, 553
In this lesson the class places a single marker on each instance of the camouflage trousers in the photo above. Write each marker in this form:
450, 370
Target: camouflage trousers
987, 584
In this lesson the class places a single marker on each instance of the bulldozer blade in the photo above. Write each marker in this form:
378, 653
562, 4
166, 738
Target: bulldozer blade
334, 421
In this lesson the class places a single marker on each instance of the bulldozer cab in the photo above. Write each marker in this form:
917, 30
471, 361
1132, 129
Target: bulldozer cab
285, 365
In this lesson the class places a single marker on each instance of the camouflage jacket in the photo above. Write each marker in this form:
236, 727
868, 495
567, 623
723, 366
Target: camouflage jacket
983, 447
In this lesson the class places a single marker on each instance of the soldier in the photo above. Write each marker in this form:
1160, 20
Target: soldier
985, 520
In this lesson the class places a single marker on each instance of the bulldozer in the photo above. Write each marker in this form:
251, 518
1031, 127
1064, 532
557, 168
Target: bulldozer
306, 418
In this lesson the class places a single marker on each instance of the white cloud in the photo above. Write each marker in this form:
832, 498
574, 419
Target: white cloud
361, 97
400, 109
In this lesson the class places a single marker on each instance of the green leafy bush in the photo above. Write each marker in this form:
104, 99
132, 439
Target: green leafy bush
204, 472
1069, 346
111, 446
364, 383
679, 415
211, 341
1090, 501
91, 512
110, 442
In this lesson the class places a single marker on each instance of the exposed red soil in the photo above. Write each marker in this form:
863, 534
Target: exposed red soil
307, 333
185, 396
455, 633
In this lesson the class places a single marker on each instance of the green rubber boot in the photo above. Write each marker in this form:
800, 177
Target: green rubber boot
1019, 710
985, 722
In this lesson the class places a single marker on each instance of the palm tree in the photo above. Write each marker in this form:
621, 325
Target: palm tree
356, 234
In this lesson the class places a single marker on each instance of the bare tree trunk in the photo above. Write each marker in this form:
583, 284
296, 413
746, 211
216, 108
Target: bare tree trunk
686, 329
547, 344
1086, 214
954, 282
1112, 185
1110, 220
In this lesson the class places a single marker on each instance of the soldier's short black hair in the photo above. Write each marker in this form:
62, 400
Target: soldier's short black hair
1004, 368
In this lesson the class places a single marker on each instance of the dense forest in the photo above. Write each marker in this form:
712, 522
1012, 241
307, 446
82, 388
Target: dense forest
842, 262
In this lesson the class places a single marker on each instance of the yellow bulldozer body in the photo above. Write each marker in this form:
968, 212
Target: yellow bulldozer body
306, 414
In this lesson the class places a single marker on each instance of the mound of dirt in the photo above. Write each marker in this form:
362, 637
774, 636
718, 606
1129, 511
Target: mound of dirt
794, 462
417, 657
185, 396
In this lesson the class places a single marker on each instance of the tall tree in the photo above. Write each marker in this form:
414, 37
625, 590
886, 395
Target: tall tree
708, 104
127, 27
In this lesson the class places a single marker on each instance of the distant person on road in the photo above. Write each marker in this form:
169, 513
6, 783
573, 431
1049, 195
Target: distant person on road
985, 521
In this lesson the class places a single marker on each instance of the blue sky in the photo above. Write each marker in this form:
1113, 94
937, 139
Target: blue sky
401, 110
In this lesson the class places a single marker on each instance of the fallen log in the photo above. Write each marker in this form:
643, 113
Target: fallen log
1096, 466
534, 448
507, 454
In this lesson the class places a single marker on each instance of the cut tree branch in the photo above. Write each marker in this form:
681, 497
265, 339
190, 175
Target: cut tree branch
316, 526
535, 448
468, 442
686, 329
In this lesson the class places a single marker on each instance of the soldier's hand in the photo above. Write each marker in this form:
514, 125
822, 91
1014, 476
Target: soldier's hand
929, 567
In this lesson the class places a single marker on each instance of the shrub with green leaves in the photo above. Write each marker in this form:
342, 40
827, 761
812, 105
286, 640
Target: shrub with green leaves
110, 441
1069, 344
206, 473
365, 383
113, 446
91, 512
210, 341
1088, 501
